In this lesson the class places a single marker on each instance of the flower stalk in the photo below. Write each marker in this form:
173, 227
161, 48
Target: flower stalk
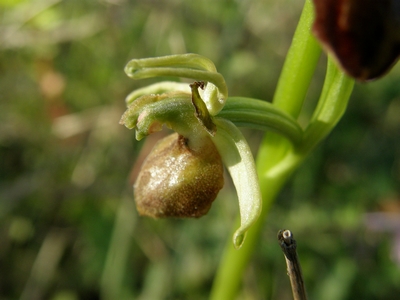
284, 157
202, 111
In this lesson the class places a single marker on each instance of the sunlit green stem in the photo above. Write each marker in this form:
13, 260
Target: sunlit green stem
234, 262
272, 179
277, 159
299, 65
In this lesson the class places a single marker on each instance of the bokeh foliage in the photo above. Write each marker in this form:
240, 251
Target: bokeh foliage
68, 226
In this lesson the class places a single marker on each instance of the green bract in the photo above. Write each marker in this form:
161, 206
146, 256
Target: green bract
200, 112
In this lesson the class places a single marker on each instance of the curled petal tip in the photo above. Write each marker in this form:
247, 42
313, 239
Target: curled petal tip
187, 65
238, 238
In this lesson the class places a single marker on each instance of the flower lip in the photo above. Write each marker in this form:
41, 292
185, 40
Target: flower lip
176, 181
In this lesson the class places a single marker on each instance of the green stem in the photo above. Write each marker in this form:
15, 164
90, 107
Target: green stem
295, 78
290, 94
299, 65
330, 108
234, 261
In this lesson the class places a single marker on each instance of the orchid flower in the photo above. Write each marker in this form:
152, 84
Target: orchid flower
183, 174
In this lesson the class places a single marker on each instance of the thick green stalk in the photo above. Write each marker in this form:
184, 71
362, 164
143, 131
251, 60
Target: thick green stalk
299, 65
292, 87
331, 107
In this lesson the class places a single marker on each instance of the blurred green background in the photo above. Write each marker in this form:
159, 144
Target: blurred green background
68, 226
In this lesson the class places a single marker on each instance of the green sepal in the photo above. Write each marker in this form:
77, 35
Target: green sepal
238, 159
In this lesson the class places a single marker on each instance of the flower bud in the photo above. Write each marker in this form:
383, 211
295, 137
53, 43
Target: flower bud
364, 35
177, 181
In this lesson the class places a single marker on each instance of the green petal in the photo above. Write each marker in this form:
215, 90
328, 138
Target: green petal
237, 157
262, 115
184, 65
157, 88
175, 110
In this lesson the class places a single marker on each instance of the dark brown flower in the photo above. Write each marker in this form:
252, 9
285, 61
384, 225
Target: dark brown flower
364, 35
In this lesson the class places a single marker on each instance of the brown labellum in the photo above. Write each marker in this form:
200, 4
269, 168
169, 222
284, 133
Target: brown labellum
364, 35
176, 181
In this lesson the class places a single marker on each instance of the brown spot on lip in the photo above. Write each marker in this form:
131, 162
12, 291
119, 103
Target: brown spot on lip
175, 181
